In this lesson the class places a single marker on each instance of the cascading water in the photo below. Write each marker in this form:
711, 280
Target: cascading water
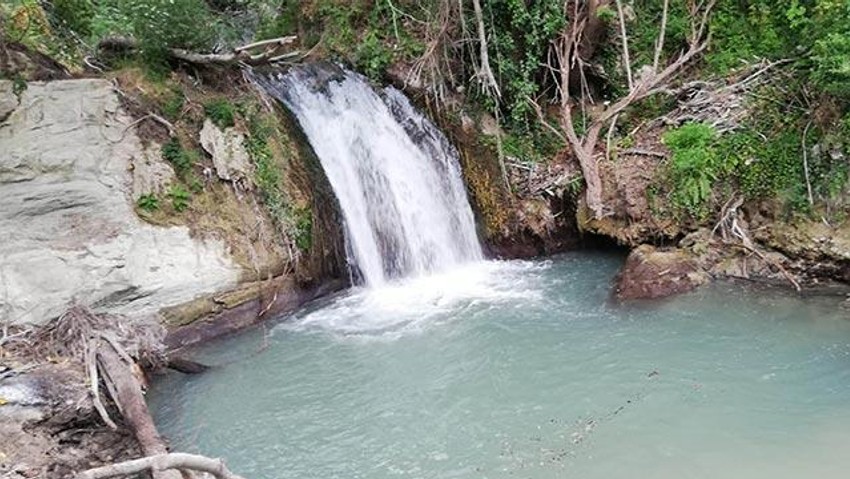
394, 173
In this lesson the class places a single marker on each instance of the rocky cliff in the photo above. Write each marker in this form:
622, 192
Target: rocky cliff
68, 231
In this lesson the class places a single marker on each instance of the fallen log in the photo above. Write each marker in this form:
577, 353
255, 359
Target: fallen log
127, 394
186, 366
162, 462
271, 51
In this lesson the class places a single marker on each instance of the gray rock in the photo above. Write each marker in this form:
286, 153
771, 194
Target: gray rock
228, 152
68, 231
151, 174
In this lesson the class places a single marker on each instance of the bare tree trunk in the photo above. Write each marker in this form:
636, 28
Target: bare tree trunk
651, 81
485, 72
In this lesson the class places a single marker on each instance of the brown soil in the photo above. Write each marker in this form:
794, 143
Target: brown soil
48, 424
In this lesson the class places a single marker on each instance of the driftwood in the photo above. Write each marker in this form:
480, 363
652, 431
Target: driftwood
162, 462
265, 51
186, 366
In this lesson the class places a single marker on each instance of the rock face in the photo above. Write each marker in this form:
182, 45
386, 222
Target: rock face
68, 231
650, 273
227, 149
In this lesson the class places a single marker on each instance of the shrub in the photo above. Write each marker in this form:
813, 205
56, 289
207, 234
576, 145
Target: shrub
180, 158
372, 56
148, 202
172, 104
221, 112
162, 24
76, 15
693, 166
179, 197
303, 229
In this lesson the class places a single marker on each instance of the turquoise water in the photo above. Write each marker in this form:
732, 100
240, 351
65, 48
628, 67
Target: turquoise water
526, 370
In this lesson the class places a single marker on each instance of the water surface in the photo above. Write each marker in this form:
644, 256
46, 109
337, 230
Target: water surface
526, 369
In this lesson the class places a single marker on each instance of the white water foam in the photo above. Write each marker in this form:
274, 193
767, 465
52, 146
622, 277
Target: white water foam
410, 306
395, 175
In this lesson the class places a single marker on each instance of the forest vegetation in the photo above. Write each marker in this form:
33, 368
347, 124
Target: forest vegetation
503, 57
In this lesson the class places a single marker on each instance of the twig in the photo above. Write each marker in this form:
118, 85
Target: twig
639, 152
608, 139
91, 364
806, 163
775, 264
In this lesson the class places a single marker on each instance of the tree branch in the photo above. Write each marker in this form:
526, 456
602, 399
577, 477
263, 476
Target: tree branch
162, 462
627, 62
659, 45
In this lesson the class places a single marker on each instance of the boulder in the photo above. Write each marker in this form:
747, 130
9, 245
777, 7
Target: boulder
228, 152
653, 273
68, 230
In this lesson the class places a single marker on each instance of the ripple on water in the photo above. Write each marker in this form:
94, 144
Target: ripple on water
527, 369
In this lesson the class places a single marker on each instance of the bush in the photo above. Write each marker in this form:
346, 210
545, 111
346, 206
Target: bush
180, 158
76, 15
221, 112
162, 24
179, 197
148, 202
372, 56
693, 168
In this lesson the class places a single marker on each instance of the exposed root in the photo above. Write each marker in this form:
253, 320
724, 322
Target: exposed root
731, 230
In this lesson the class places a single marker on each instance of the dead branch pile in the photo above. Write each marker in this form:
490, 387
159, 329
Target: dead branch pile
110, 349
719, 104
72, 334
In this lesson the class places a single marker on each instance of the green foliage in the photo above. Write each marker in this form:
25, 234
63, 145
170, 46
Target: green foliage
75, 15
339, 20
148, 202
303, 229
180, 197
831, 59
535, 146
172, 103
694, 167
282, 19
179, 157
19, 85
298, 223
267, 174
522, 32
221, 112
372, 56
111, 17
162, 24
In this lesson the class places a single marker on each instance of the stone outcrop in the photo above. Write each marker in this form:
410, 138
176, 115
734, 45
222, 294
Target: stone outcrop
652, 273
68, 231
227, 149
151, 174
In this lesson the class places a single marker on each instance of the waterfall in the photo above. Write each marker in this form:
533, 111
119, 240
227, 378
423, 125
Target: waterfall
396, 176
